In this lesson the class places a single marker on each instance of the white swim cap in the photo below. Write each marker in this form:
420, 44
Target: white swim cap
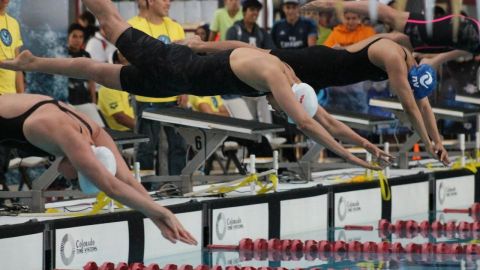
104, 156
307, 97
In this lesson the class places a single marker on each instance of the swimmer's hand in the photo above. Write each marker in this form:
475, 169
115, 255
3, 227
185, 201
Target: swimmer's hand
354, 160
20, 63
172, 229
384, 158
192, 42
441, 154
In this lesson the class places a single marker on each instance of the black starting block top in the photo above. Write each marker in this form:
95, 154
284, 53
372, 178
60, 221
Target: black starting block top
126, 137
441, 109
189, 118
360, 118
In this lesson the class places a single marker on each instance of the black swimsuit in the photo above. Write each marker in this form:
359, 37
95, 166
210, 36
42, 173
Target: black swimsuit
12, 134
164, 70
321, 66
441, 40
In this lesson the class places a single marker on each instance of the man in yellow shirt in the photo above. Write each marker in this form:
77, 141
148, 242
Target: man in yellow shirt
10, 43
154, 21
115, 104
10, 81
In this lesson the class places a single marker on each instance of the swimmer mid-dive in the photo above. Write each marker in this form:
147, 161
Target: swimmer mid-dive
161, 70
42, 126
374, 59
412, 27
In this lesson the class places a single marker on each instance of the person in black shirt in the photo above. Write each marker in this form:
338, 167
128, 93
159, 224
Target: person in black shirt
79, 91
294, 32
247, 29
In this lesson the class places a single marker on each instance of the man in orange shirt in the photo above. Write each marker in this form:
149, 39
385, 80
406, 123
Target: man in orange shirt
350, 32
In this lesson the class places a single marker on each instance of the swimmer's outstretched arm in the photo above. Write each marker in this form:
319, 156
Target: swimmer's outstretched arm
105, 74
344, 133
397, 75
284, 96
432, 129
442, 58
396, 19
77, 149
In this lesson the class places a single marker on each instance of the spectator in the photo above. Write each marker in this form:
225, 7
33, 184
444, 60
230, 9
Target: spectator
294, 32
115, 105
350, 97
351, 31
79, 91
211, 105
157, 24
88, 22
99, 48
321, 19
10, 81
247, 29
224, 19
203, 31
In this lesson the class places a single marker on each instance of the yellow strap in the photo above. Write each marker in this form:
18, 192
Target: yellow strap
470, 165
384, 186
369, 175
264, 187
102, 201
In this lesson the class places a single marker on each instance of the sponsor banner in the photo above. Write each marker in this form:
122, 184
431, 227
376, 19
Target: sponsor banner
361, 236
230, 225
455, 192
14, 252
357, 207
313, 217
157, 246
101, 242
410, 199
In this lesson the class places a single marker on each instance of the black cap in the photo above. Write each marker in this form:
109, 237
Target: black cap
251, 3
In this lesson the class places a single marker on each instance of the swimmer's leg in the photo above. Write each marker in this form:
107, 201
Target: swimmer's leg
80, 68
109, 17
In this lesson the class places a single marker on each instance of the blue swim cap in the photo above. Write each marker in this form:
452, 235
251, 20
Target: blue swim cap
423, 80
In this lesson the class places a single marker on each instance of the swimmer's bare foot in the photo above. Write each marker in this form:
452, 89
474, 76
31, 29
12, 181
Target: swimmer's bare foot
21, 62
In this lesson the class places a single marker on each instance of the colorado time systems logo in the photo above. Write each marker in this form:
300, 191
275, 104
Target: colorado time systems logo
344, 207
69, 247
445, 191
224, 224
